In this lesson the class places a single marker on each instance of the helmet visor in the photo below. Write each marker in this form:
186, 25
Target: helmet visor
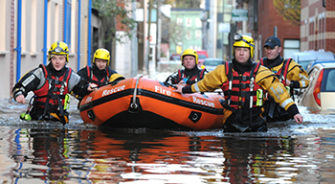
59, 50
239, 37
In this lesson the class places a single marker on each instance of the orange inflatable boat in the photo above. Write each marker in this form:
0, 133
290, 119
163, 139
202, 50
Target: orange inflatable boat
146, 103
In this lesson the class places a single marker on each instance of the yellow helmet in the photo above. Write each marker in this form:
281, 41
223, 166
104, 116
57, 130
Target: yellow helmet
101, 54
59, 48
190, 52
244, 41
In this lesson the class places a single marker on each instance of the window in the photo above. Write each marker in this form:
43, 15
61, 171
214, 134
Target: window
53, 22
198, 34
198, 23
330, 82
33, 33
3, 27
24, 29
67, 23
188, 22
179, 21
290, 47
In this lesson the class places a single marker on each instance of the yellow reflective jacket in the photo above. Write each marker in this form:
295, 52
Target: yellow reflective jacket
295, 73
265, 78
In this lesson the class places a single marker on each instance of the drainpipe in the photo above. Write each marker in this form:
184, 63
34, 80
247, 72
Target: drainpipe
78, 50
65, 20
18, 44
45, 33
12, 45
134, 43
89, 32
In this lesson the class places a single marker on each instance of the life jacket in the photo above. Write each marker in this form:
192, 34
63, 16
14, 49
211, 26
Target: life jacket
273, 111
193, 79
282, 72
52, 94
240, 91
93, 79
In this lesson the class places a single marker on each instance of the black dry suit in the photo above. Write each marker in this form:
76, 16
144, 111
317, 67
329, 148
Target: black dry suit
240, 94
189, 76
51, 89
96, 76
272, 110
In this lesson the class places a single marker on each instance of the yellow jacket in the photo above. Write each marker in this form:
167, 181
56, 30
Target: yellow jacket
295, 73
264, 78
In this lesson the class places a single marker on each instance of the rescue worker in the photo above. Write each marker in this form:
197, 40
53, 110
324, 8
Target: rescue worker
51, 86
191, 73
100, 73
290, 73
242, 82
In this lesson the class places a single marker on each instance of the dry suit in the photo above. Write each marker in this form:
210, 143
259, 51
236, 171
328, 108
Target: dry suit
240, 83
50, 89
189, 76
284, 69
96, 76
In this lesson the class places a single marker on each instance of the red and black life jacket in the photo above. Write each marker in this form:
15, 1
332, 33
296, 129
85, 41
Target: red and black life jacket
93, 79
240, 89
52, 94
193, 79
282, 72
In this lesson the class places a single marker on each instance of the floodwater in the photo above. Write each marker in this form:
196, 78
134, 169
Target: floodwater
47, 152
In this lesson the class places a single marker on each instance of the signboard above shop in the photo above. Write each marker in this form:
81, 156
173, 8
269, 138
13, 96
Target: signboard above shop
238, 15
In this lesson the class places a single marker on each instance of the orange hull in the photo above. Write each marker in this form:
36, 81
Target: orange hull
145, 103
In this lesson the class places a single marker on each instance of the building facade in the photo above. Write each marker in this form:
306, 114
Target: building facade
186, 29
30, 27
272, 22
317, 31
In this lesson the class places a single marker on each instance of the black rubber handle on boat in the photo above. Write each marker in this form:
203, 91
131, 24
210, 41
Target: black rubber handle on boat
134, 106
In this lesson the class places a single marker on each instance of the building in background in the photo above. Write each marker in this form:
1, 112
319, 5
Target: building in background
317, 30
267, 18
272, 20
185, 29
224, 19
30, 27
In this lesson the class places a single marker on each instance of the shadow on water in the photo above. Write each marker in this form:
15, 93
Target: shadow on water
47, 152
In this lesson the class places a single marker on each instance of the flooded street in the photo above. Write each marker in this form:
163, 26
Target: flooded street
45, 152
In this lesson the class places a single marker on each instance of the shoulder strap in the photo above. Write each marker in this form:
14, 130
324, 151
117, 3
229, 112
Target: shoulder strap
45, 71
180, 73
89, 73
229, 74
284, 69
287, 64
255, 69
261, 61
253, 72
229, 70
201, 75
67, 75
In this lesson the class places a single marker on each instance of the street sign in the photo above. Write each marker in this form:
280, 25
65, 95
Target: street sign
239, 15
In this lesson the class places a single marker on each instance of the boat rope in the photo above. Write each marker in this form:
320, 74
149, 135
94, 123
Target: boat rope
134, 105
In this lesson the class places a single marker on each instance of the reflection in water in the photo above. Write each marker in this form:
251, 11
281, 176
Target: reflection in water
256, 160
141, 155
43, 152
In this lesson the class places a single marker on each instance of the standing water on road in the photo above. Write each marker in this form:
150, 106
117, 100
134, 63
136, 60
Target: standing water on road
45, 152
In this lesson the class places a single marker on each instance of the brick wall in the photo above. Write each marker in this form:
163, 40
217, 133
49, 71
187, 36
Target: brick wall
269, 17
320, 21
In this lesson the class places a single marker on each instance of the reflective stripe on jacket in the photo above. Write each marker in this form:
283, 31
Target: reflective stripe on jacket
266, 79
